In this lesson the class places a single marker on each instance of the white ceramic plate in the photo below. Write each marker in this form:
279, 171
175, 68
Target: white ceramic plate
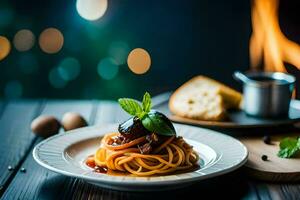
65, 154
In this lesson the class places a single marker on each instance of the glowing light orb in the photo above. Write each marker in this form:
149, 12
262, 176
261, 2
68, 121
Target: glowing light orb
107, 68
139, 61
24, 40
91, 9
119, 51
51, 40
69, 68
55, 79
4, 47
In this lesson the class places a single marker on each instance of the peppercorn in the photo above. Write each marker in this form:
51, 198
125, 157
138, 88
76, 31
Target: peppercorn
264, 157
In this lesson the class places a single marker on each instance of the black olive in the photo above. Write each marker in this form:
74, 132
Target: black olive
132, 128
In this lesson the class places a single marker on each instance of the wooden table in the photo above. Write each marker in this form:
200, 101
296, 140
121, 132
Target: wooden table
28, 180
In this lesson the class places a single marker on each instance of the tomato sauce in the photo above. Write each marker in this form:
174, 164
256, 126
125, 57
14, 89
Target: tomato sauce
91, 163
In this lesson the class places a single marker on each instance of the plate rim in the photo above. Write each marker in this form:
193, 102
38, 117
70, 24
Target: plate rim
119, 182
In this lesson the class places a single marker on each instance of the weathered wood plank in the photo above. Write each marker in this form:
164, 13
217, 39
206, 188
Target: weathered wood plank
251, 194
231, 185
161, 99
58, 107
37, 181
15, 136
284, 191
262, 190
2, 106
106, 112
77, 189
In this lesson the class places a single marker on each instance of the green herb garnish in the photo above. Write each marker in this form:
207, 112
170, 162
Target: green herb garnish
152, 120
158, 123
134, 108
289, 147
146, 102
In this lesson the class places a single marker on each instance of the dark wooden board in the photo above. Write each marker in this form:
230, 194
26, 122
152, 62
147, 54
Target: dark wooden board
276, 169
43, 178
15, 136
2, 106
79, 189
36, 177
284, 191
53, 186
39, 183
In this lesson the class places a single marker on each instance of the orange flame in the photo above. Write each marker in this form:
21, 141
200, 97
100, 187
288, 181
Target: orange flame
268, 45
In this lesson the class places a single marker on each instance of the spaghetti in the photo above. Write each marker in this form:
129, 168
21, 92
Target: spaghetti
172, 154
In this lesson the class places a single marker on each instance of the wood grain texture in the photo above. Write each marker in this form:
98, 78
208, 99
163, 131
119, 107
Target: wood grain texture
39, 183
284, 191
204, 189
36, 181
15, 136
107, 112
262, 190
275, 168
2, 107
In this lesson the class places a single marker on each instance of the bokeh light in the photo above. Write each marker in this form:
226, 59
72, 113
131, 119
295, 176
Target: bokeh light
51, 40
24, 40
119, 50
107, 68
28, 63
4, 47
139, 61
91, 9
13, 89
69, 68
55, 79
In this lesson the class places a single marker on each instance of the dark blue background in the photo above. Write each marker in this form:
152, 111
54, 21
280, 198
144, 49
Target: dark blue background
184, 38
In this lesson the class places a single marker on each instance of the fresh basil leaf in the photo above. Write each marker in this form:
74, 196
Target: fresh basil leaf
146, 102
287, 152
298, 142
289, 147
158, 123
288, 143
131, 106
141, 115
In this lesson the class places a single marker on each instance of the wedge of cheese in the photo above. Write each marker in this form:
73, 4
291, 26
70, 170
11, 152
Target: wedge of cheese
204, 99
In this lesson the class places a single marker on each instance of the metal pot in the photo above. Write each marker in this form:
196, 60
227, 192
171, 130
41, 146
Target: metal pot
266, 94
